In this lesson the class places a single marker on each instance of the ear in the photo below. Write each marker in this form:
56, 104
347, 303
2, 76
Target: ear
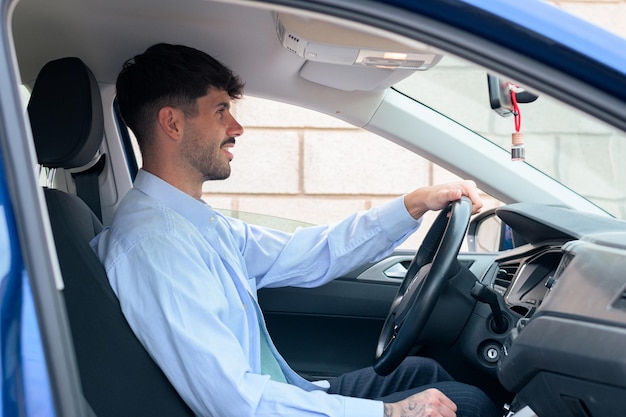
171, 122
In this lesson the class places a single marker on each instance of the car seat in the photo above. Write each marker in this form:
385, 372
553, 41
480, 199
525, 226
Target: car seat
118, 376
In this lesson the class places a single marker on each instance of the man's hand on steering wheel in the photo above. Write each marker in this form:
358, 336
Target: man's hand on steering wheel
437, 197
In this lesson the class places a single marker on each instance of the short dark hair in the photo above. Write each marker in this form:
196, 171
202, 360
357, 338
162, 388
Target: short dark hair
168, 75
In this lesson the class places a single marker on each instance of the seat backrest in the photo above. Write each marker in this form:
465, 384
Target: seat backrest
118, 376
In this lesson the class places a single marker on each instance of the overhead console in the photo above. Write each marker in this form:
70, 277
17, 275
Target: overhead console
347, 58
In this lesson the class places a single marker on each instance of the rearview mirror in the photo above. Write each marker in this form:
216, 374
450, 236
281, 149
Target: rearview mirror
500, 95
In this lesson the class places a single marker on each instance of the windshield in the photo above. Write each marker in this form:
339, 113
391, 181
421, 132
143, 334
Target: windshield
578, 151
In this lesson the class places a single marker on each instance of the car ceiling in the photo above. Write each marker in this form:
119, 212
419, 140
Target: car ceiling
106, 33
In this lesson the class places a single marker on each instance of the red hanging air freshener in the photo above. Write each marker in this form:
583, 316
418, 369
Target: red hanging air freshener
518, 151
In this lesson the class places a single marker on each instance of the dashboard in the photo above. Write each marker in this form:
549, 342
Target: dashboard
525, 281
567, 288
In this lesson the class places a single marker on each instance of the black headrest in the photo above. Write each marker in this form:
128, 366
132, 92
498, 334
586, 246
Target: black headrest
65, 113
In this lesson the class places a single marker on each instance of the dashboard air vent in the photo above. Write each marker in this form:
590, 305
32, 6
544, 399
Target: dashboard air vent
504, 277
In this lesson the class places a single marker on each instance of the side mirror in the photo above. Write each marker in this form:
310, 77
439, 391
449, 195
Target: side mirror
488, 233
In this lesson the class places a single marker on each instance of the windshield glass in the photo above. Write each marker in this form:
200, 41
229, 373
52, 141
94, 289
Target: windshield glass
578, 151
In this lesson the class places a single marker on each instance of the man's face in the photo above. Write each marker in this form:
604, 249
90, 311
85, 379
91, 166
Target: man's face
210, 135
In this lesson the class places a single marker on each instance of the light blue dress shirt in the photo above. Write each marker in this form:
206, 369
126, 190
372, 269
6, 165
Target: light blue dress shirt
187, 278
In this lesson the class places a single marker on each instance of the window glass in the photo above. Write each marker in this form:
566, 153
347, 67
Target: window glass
578, 151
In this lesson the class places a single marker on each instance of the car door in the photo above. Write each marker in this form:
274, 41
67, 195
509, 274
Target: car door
326, 331
35, 345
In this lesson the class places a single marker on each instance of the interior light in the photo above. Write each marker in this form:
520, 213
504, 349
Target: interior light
401, 56
396, 60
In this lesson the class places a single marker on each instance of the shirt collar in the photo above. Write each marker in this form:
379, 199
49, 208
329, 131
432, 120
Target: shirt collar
196, 211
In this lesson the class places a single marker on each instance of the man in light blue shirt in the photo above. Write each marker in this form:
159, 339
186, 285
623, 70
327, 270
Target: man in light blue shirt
187, 276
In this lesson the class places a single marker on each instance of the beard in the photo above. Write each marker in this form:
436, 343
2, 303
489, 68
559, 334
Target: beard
214, 172
205, 156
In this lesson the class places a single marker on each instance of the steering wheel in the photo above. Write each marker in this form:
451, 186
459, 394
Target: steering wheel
424, 282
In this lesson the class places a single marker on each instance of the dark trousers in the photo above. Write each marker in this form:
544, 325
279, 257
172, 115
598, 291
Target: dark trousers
414, 375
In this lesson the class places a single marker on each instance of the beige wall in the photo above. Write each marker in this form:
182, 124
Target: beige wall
609, 14
299, 164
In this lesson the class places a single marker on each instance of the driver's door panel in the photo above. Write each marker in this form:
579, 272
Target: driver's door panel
323, 332
326, 331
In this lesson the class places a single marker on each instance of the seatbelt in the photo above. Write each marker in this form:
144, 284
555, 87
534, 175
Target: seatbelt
87, 187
